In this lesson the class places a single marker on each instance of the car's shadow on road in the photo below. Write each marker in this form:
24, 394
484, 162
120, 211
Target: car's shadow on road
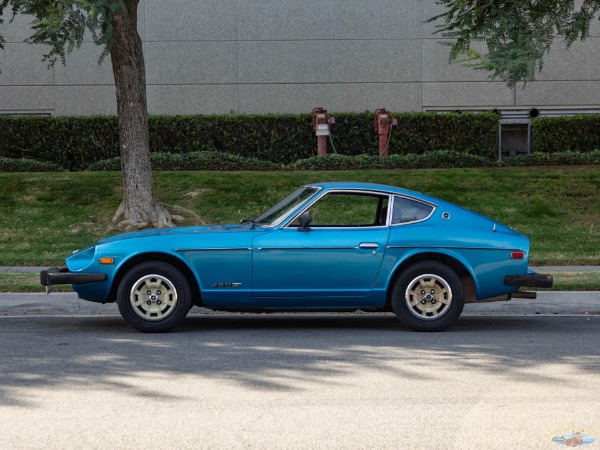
202, 323
273, 351
372, 322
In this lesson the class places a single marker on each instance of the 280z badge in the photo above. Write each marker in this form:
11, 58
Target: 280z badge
227, 285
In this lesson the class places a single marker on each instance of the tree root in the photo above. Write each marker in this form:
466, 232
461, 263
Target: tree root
157, 216
181, 209
142, 216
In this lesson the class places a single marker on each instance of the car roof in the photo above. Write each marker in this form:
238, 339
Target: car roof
373, 186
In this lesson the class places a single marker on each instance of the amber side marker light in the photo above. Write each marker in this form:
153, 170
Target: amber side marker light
517, 255
107, 261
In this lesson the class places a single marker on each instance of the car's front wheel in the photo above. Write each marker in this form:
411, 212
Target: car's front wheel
428, 296
154, 297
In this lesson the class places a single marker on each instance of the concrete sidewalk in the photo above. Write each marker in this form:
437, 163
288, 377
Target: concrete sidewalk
574, 302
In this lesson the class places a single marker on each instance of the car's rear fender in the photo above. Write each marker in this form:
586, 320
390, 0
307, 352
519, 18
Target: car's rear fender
456, 262
482, 272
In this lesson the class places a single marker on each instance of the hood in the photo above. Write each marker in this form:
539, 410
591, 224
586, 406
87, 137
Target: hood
173, 231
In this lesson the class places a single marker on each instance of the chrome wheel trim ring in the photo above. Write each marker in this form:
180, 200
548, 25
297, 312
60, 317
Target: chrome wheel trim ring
428, 297
153, 297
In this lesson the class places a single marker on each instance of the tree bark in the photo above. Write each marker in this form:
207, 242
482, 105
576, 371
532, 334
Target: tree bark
139, 207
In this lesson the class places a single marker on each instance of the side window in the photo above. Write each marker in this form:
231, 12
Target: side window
406, 210
340, 209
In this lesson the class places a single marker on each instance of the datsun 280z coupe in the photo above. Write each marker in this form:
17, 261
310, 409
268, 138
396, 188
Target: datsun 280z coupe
325, 247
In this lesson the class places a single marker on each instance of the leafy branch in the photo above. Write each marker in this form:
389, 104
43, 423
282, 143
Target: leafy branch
61, 24
518, 34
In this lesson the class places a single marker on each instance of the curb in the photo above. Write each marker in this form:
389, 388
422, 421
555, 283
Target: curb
548, 302
60, 303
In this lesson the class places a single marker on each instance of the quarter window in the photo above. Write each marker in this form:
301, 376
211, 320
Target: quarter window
407, 210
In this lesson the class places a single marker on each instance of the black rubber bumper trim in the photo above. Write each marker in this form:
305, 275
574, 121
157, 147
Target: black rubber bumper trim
61, 275
529, 280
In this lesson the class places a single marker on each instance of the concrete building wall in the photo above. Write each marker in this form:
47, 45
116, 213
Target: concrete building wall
272, 56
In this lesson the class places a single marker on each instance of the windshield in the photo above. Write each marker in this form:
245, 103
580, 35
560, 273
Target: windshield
278, 213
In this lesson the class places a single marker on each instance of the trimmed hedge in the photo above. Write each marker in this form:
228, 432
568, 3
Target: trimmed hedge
193, 161
76, 142
70, 142
559, 134
26, 165
421, 133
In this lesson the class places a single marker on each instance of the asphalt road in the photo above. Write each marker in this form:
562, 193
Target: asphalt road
287, 381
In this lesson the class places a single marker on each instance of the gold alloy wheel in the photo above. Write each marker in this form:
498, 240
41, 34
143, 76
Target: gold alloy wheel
428, 297
153, 297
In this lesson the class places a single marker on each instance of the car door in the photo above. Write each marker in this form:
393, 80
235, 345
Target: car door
331, 263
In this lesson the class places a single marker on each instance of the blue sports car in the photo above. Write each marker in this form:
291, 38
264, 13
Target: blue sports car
325, 247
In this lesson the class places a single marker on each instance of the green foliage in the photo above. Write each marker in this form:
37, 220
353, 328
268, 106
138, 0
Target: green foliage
3, 5
555, 159
277, 138
265, 142
26, 165
77, 142
421, 133
193, 161
441, 159
518, 34
61, 24
438, 159
579, 133
70, 142
449, 160
337, 162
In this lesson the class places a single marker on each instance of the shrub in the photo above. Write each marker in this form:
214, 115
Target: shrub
337, 162
431, 160
466, 133
26, 165
193, 161
554, 159
579, 133
111, 164
70, 142
77, 142
447, 159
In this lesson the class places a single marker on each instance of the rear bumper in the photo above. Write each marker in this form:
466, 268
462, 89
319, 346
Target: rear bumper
529, 280
62, 275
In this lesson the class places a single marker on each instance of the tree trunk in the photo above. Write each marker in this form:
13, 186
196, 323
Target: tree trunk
139, 207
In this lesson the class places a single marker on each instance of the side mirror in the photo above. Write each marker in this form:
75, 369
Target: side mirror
305, 219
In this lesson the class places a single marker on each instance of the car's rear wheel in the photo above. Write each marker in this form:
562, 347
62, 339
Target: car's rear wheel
154, 297
428, 296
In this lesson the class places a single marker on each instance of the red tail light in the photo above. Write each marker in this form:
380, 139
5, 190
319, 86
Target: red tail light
517, 255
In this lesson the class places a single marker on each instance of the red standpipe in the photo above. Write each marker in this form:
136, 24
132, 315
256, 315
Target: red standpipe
383, 129
321, 129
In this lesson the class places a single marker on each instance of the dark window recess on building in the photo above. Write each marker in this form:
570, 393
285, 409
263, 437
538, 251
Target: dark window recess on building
515, 132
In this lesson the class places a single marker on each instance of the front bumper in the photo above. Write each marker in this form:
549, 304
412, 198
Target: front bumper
62, 275
530, 280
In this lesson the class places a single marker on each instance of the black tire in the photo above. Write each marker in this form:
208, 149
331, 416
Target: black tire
154, 297
428, 296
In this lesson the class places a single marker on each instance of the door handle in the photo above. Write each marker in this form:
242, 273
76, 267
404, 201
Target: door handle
369, 245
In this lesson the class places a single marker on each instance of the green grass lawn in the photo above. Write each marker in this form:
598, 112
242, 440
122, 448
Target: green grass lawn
43, 217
